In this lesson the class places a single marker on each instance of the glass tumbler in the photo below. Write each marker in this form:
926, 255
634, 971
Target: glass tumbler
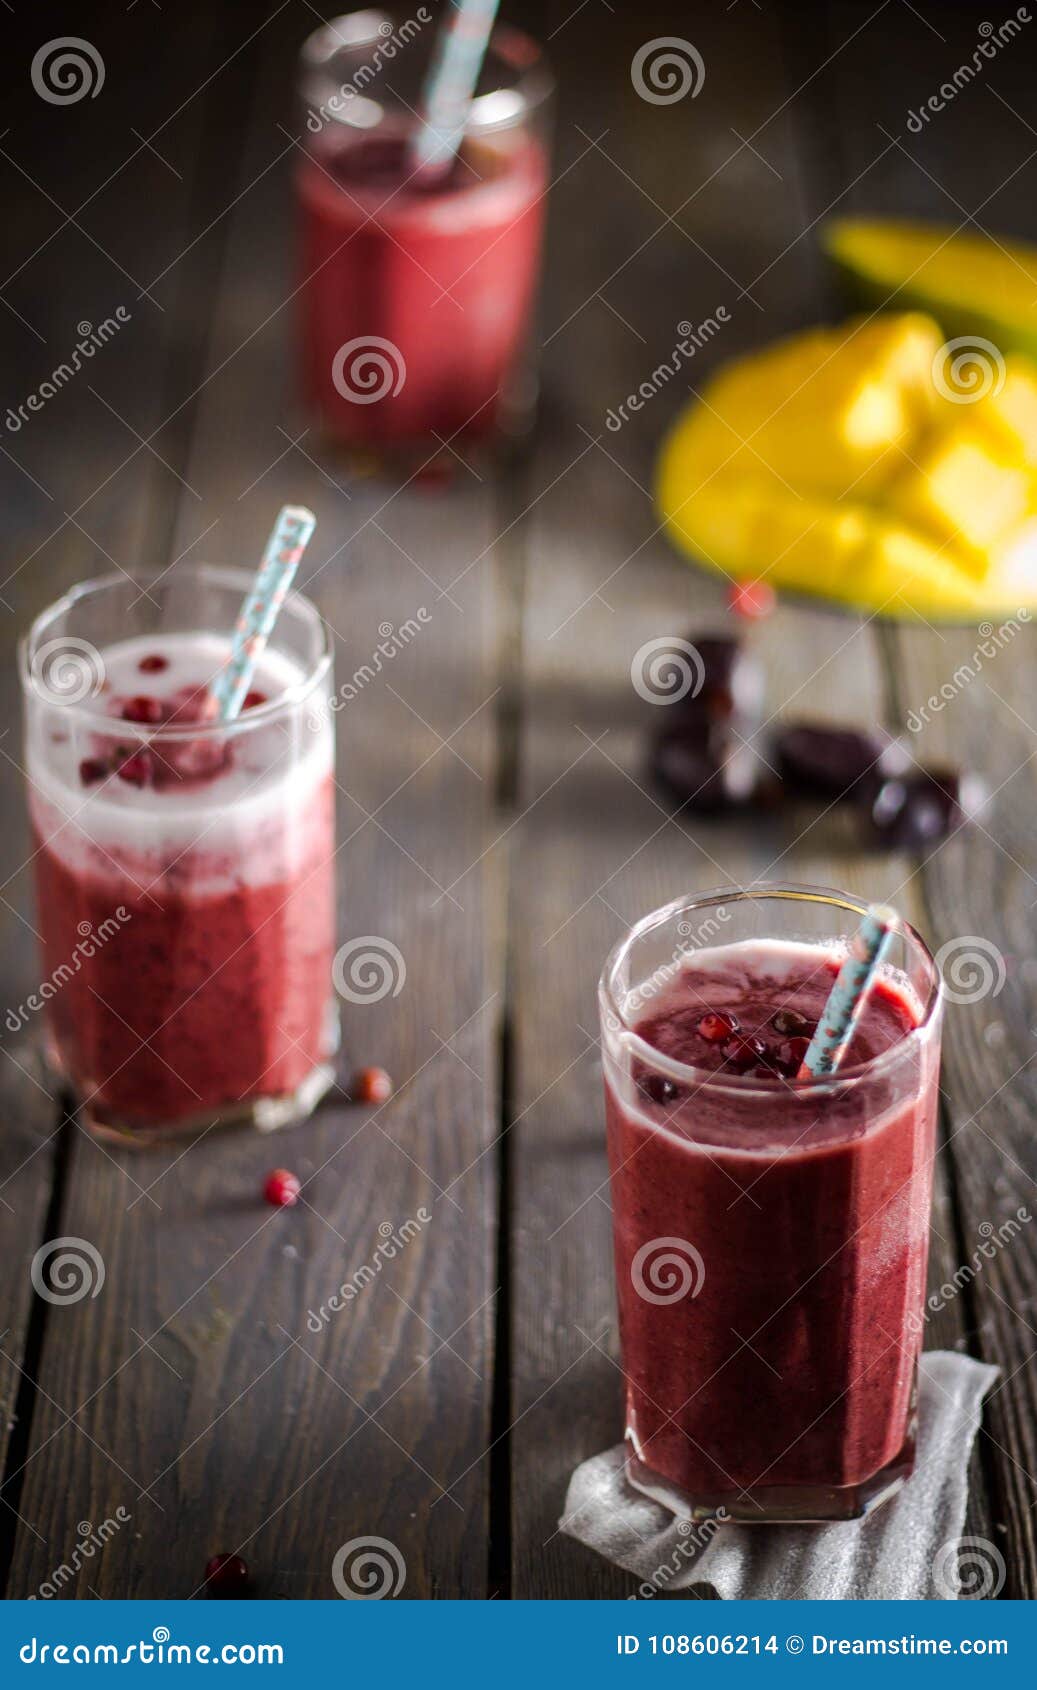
184, 868
771, 1235
416, 297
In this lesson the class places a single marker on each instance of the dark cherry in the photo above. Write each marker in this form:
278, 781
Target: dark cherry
816, 760
137, 769
153, 665
732, 681
922, 807
253, 699
658, 1089
789, 1024
91, 770
715, 1027
701, 765
150, 711
743, 1052
226, 1575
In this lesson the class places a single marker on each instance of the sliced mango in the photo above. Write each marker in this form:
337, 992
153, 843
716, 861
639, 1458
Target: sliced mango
826, 410
804, 544
899, 573
1007, 414
957, 490
834, 463
971, 284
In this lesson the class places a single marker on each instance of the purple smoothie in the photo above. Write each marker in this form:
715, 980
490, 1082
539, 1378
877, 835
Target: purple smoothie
771, 1239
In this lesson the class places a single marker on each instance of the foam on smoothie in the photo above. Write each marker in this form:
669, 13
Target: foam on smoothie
752, 979
247, 823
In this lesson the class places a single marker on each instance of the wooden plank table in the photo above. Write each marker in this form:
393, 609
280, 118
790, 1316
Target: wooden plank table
495, 822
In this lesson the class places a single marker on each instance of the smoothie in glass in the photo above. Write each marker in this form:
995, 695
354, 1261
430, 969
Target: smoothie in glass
416, 297
184, 870
771, 1234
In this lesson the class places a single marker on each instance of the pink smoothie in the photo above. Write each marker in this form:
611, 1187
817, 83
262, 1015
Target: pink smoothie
788, 1357
436, 284
185, 893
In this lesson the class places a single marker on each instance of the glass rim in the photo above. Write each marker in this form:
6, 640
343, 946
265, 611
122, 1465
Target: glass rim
779, 891
227, 575
509, 45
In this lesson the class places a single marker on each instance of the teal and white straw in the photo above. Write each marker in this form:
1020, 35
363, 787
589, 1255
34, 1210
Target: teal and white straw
261, 608
846, 999
447, 95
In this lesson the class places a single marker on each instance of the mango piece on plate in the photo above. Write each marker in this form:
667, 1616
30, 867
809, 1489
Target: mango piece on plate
837, 463
971, 284
1007, 413
805, 544
959, 491
900, 573
825, 410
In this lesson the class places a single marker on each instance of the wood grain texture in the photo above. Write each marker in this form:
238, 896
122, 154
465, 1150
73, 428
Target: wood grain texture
978, 890
82, 495
212, 1409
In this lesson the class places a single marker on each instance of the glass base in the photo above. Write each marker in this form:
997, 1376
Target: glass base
432, 461
265, 1114
769, 1505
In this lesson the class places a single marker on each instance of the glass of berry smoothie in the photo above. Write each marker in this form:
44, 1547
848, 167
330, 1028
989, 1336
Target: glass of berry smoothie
184, 867
771, 1233
416, 298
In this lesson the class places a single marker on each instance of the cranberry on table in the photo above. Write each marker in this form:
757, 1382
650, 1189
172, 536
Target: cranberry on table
370, 1085
226, 1575
752, 599
153, 665
253, 699
282, 1188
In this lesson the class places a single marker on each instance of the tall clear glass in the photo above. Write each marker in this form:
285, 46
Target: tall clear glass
771, 1235
416, 300
184, 868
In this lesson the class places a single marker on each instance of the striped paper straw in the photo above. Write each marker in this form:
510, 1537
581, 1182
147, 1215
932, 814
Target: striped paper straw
447, 95
256, 618
846, 999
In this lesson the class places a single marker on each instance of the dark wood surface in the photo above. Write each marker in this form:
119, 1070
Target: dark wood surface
495, 822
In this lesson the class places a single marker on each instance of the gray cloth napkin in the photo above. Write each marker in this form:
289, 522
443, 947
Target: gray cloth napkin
911, 1547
